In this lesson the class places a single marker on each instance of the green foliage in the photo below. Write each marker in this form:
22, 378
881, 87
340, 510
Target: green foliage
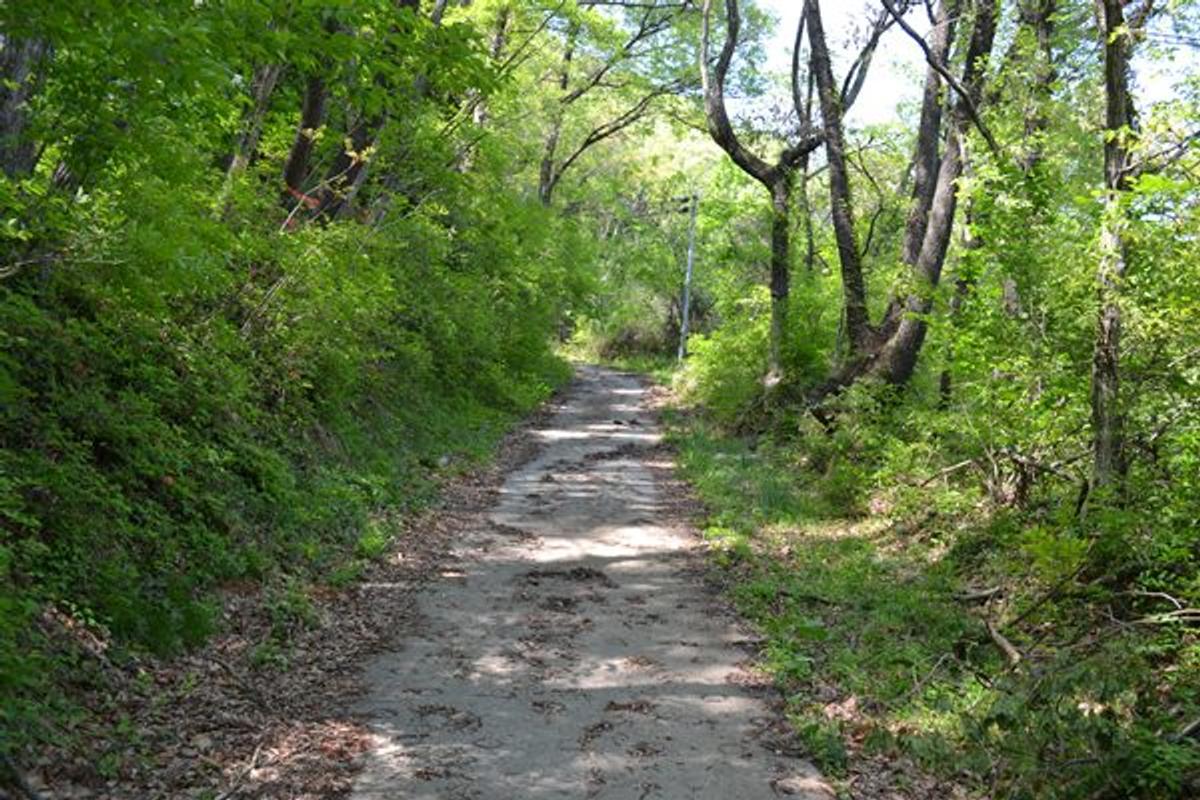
194, 391
865, 635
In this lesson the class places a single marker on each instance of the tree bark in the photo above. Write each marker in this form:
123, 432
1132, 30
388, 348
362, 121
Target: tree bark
1038, 15
1108, 468
890, 350
495, 51
547, 171
925, 157
19, 79
349, 167
897, 358
776, 177
295, 170
854, 293
781, 195
262, 87
1035, 17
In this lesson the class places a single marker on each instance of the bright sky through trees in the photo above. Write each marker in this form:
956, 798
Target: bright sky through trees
898, 68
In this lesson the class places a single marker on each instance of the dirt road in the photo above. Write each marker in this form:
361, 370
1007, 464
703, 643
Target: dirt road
574, 650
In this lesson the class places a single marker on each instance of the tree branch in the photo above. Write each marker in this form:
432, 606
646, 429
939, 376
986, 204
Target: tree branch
959, 89
719, 126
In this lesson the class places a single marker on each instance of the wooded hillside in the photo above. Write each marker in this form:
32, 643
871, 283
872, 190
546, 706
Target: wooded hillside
271, 272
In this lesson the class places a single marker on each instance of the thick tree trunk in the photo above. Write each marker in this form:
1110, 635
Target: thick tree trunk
352, 162
854, 291
890, 351
897, 358
19, 78
777, 177
1108, 467
925, 158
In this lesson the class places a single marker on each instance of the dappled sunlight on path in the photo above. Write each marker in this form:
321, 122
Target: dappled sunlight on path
574, 650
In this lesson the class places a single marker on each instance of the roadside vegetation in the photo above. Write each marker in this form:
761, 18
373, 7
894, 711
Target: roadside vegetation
271, 272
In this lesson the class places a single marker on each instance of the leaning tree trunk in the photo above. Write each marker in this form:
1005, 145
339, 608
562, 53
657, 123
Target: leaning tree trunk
889, 351
495, 50
897, 359
263, 85
929, 129
1108, 466
1036, 17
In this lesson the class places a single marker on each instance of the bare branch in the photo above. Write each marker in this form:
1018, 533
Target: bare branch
613, 126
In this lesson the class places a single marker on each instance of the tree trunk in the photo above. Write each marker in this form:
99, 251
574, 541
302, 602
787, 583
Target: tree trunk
897, 358
349, 167
804, 205
262, 87
925, 158
1039, 16
295, 171
1108, 468
19, 78
889, 351
548, 172
1036, 17
777, 177
781, 194
496, 50
854, 292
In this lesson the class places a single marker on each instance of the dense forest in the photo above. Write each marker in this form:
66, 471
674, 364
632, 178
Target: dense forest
271, 273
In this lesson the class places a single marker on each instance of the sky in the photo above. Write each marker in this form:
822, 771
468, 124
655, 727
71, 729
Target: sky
899, 67
896, 71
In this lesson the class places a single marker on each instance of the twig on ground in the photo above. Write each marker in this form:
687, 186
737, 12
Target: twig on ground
1191, 729
919, 685
946, 471
245, 773
1054, 591
1161, 595
246, 688
976, 595
1011, 653
1178, 615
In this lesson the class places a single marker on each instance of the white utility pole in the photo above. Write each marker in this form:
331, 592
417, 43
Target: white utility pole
687, 277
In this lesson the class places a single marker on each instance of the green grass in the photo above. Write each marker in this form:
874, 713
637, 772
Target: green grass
878, 658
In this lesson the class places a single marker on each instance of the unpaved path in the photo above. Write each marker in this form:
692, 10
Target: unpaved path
573, 650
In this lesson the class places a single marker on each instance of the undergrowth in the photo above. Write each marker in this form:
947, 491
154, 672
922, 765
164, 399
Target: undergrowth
886, 607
